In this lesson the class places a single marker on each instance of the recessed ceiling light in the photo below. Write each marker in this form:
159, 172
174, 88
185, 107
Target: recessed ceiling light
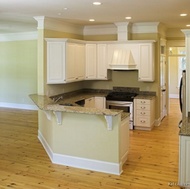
91, 20
184, 14
97, 3
128, 17
188, 25
65, 8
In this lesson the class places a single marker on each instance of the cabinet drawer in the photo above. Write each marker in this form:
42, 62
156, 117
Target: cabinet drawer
143, 101
142, 121
143, 113
143, 107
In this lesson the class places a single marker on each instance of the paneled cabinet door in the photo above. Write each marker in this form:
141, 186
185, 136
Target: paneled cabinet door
184, 161
146, 64
65, 62
91, 61
102, 61
96, 61
56, 62
75, 64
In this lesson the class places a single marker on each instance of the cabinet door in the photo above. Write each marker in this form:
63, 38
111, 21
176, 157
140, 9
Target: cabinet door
80, 61
70, 63
101, 61
100, 102
90, 61
146, 66
56, 62
90, 103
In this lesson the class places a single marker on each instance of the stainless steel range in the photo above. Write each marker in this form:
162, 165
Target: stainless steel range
122, 101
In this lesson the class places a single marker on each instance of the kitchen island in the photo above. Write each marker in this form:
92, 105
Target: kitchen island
88, 138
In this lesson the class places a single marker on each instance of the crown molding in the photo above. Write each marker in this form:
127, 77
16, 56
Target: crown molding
58, 25
22, 36
107, 29
145, 27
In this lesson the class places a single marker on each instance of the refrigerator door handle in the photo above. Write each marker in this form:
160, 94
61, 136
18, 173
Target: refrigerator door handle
180, 94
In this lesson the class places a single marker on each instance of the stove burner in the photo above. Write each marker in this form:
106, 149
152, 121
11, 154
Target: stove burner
121, 96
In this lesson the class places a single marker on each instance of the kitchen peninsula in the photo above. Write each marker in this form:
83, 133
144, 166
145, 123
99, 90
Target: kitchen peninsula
88, 138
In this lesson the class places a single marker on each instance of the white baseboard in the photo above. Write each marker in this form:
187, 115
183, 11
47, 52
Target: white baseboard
78, 162
18, 106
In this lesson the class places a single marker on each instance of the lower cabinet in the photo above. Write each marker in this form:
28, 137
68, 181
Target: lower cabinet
144, 113
95, 102
184, 161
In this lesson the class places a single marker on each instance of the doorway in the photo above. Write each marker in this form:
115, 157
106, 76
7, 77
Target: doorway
177, 64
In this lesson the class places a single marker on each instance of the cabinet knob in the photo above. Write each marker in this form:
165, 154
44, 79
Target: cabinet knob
142, 107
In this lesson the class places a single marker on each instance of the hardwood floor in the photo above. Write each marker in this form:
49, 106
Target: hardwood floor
152, 162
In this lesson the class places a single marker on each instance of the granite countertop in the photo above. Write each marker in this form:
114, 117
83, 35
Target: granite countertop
145, 97
45, 103
185, 127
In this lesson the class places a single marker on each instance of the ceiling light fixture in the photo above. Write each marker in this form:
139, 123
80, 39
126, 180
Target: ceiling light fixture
91, 20
183, 14
127, 17
97, 3
188, 25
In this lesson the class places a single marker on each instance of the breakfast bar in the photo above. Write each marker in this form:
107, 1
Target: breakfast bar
87, 138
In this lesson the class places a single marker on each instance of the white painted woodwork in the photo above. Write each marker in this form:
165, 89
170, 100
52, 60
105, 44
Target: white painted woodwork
100, 102
144, 113
96, 61
124, 139
146, 62
65, 61
184, 161
95, 102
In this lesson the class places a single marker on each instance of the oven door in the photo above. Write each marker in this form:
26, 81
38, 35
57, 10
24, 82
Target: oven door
121, 105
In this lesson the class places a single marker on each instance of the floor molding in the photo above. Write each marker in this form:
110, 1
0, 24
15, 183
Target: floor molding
78, 162
18, 106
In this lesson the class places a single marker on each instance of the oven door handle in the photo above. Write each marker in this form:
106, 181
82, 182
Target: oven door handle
120, 104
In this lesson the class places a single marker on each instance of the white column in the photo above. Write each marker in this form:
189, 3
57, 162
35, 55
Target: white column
187, 46
123, 31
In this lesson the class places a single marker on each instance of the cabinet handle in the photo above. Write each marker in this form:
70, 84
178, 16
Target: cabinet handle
142, 121
143, 113
143, 107
143, 102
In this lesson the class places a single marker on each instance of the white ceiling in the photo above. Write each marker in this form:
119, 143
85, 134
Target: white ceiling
17, 15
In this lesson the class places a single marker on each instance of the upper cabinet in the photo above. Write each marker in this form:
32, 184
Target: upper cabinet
71, 60
96, 61
146, 62
65, 61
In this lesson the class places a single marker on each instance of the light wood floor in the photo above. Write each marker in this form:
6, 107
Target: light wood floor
152, 162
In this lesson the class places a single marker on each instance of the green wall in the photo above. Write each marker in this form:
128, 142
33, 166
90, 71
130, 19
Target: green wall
18, 71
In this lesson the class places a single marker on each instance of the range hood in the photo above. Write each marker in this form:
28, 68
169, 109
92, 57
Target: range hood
122, 59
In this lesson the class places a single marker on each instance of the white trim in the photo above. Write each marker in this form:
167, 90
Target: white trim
18, 106
173, 95
78, 162
157, 122
145, 27
107, 29
58, 25
23, 36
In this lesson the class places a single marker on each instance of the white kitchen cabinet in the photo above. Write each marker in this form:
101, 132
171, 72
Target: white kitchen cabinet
144, 113
184, 161
95, 102
100, 102
65, 61
146, 62
96, 61
89, 102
